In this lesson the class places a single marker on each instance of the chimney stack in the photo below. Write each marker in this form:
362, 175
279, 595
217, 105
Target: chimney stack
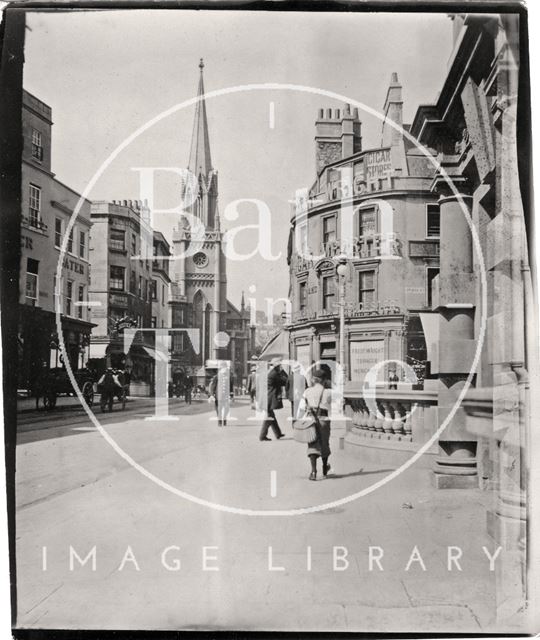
337, 136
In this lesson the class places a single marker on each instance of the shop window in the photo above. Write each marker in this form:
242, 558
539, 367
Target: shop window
433, 221
57, 232
116, 278
34, 209
82, 244
37, 145
32, 282
328, 292
69, 297
80, 301
431, 273
366, 287
117, 240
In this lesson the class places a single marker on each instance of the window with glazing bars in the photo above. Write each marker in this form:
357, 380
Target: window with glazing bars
34, 208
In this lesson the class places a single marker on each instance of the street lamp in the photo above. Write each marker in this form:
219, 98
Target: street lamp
342, 270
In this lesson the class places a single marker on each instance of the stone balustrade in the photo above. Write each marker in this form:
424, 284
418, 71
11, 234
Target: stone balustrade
402, 415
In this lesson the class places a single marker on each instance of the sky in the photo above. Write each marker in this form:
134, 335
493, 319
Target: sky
107, 73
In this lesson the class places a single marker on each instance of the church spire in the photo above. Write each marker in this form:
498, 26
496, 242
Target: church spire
199, 155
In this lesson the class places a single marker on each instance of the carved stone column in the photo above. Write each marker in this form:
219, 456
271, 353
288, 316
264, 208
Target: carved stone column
455, 467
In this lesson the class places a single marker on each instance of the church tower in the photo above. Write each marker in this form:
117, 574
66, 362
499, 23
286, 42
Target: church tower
201, 276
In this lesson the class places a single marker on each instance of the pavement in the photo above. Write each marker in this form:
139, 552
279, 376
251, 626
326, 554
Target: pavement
164, 561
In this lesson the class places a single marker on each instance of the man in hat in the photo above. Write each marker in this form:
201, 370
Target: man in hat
277, 379
252, 385
108, 385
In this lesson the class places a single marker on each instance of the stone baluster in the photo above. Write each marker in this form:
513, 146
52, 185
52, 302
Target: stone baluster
372, 418
407, 423
388, 418
399, 416
379, 418
365, 416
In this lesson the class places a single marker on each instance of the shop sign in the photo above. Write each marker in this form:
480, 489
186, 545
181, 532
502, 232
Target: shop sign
364, 354
26, 243
302, 356
73, 265
377, 164
117, 299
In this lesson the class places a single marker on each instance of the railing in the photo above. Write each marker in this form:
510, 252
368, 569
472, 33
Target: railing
401, 414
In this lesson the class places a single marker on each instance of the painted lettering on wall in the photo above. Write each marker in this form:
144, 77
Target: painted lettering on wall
73, 265
377, 164
364, 354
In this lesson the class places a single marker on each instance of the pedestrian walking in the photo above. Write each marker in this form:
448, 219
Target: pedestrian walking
252, 385
108, 385
317, 400
222, 394
294, 390
277, 379
188, 387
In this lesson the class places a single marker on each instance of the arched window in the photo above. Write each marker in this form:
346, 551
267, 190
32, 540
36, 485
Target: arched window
207, 331
198, 317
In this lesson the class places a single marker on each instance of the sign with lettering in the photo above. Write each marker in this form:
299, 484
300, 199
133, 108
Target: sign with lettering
26, 243
302, 355
73, 265
364, 354
377, 164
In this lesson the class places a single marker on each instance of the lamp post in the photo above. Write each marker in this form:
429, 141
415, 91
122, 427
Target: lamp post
342, 270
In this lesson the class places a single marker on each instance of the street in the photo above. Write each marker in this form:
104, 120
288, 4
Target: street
164, 562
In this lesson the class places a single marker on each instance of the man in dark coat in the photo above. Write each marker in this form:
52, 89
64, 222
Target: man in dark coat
295, 387
277, 379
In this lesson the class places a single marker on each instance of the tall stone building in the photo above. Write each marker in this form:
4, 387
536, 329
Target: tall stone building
47, 208
121, 289
392, 248
201, 276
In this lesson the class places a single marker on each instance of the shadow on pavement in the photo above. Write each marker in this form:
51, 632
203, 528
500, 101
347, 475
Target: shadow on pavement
360, 472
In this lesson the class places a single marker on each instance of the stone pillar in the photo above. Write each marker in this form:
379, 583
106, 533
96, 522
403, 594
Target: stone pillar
456, 466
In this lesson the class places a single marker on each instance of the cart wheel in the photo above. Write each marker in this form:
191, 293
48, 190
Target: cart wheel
88, 393
49, 400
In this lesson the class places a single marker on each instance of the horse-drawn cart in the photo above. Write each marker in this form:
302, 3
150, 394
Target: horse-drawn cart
56, 382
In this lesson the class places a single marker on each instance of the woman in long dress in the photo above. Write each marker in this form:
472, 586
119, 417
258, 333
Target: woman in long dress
319, 399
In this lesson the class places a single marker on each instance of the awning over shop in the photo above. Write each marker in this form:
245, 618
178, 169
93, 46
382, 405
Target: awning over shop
276, 347
98, 349
156, 354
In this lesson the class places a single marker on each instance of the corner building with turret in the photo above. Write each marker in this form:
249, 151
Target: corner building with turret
374, 205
